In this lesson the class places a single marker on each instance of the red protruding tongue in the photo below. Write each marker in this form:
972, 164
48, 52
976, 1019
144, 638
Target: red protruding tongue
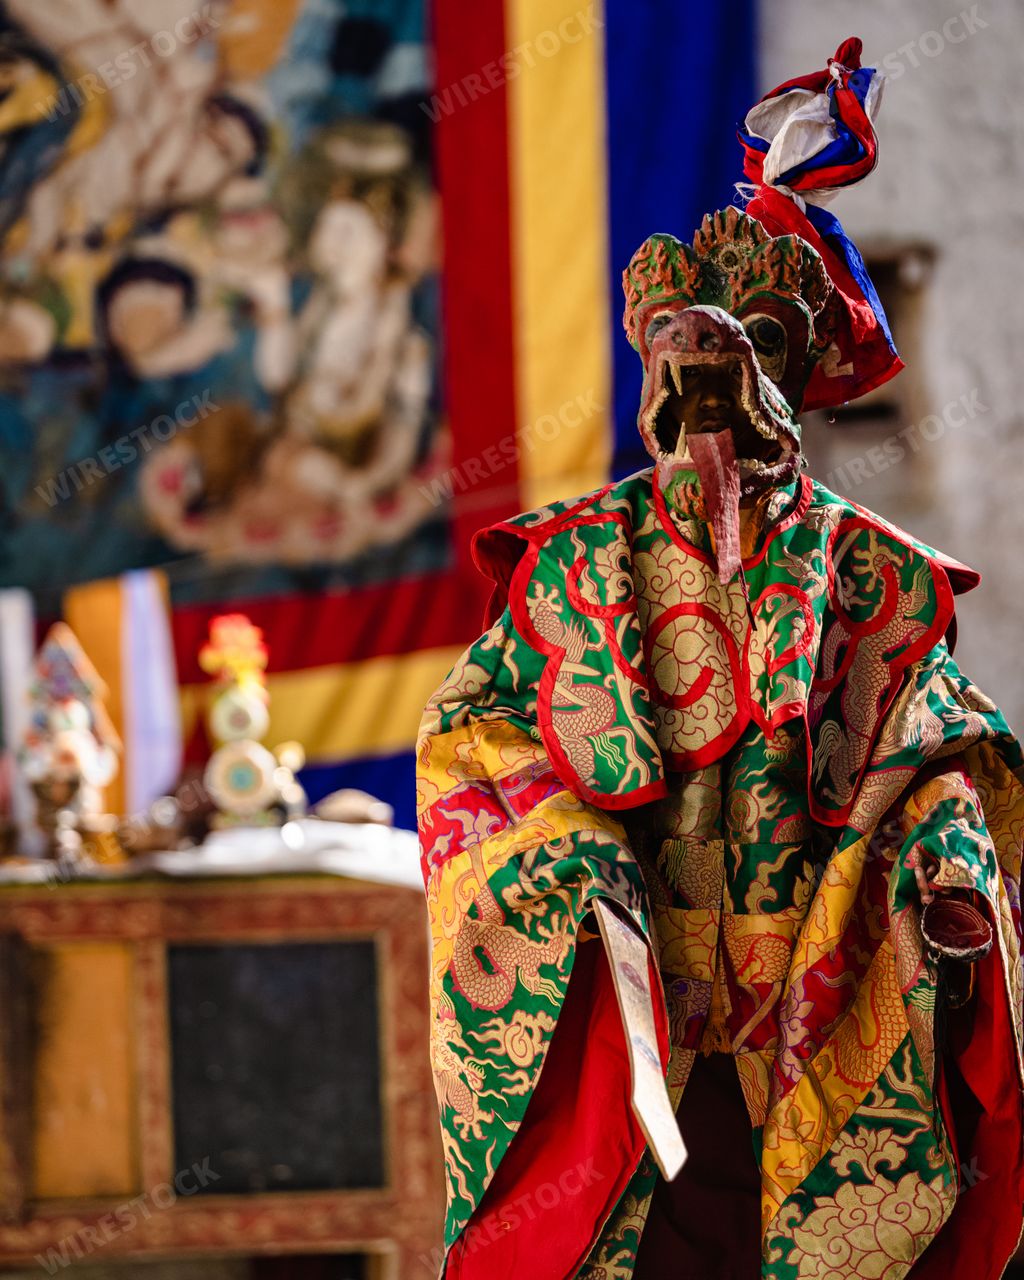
714, 456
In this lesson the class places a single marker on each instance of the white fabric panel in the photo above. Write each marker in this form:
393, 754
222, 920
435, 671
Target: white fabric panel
797, 126
152, 713
17, 648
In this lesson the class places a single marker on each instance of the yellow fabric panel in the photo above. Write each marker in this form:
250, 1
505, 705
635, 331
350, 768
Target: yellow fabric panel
94, 612
84, 1126
478, 753
759, 945
832, 906
805, 1123
688, 941
345, 711
754, 1068
454, 889
559, 247
490, 748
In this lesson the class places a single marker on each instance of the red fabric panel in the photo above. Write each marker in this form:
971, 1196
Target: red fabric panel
497, 802
847, 55
474, 177
576, 1150
858, 335
985, 1225
305, 631
850, 111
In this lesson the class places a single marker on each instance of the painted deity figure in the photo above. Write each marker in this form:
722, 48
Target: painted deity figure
719, 702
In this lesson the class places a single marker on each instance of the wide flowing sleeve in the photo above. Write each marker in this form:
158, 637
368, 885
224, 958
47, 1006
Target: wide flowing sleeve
891, 1098
964, 815
513, 863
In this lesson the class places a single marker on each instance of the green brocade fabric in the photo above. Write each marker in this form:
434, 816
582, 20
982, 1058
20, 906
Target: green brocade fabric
650, 664
754, 785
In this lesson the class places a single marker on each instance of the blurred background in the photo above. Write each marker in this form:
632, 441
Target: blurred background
296, 295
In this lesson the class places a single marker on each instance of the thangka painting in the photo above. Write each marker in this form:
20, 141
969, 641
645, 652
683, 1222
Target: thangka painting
220, 319
218, 290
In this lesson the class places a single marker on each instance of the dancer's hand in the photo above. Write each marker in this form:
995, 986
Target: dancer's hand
925, 877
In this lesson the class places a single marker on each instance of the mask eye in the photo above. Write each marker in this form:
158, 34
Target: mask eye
768, 338
656, 326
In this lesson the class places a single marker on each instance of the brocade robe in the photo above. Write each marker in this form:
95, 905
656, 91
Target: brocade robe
752, 786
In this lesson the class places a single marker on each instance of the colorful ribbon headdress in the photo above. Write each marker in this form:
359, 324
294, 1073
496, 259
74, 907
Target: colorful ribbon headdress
802, 142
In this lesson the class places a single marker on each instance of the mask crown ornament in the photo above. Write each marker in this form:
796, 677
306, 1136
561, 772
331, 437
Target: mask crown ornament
728, 330
776, 286
768, 311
